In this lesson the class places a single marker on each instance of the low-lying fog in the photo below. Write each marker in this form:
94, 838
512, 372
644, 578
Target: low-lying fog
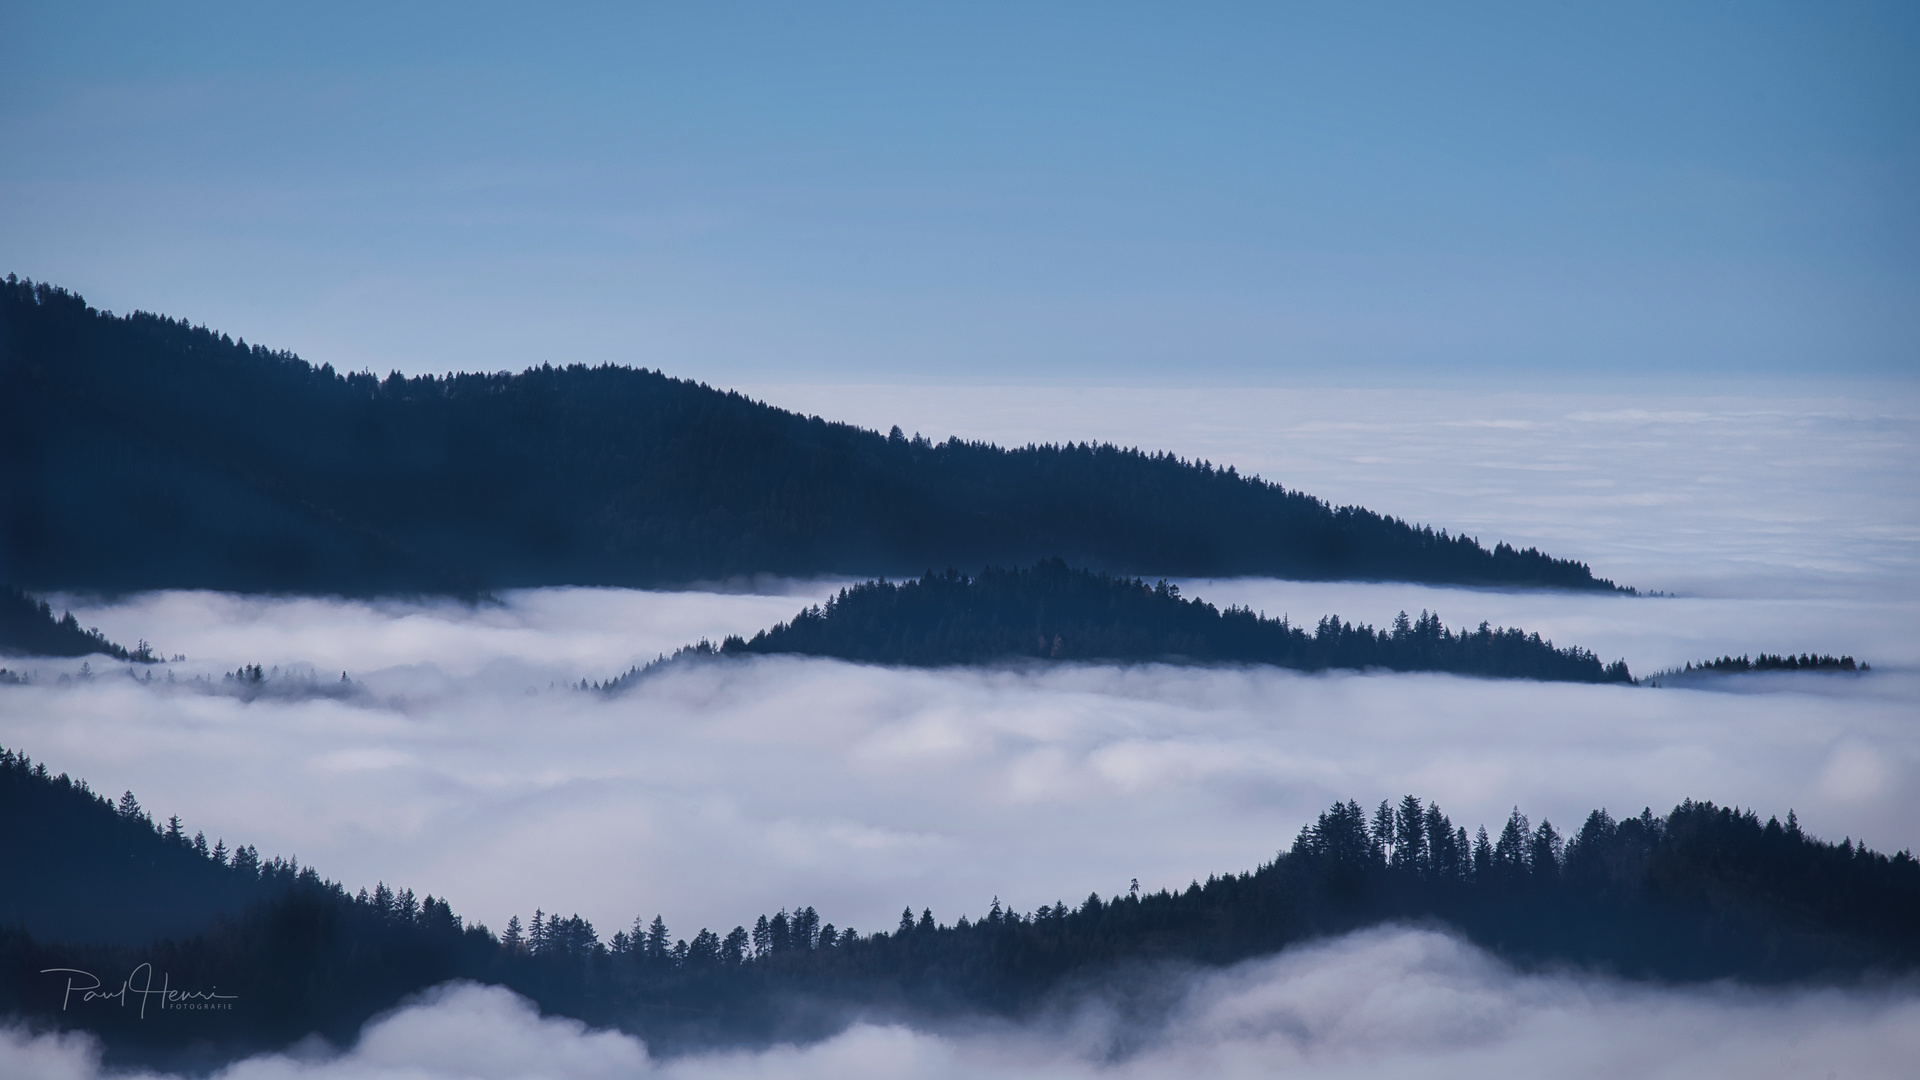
463, 761
469, 765
1382, 1003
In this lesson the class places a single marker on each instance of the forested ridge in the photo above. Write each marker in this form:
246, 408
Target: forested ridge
148, 453
27, 626
1052, 612
1742, 664
1701, 893
1706, 672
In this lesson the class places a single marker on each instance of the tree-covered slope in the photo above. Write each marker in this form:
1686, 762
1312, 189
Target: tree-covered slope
91, 888
1703, 893
1054, 612
27, 626
146, 453
80, 866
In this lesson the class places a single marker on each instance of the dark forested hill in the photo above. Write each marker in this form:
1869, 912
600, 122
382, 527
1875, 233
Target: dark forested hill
1708, 672
91, 888
1054, 612
78, 866
1743, 665
28, 626
142, 452
1702, 893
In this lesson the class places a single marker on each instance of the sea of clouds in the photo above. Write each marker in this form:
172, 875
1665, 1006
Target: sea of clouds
710, 793
464, 761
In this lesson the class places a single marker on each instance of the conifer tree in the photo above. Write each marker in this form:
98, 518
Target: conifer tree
657, 941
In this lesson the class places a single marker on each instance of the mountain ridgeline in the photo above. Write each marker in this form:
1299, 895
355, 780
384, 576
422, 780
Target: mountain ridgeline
1053, 612
147, 453
1706, 673
1746, 665
112, 889
1701, 893
27, 626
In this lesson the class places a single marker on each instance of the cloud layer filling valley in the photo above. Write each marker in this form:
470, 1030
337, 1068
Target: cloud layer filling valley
468, 769
471, 770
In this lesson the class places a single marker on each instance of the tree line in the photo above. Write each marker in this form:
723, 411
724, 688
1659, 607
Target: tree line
1052, 612
1703, 892
28, 626
148, 453
1691, 673
1736, 665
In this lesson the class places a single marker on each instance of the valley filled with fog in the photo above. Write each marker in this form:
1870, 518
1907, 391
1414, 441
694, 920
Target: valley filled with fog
474, 768
451, 748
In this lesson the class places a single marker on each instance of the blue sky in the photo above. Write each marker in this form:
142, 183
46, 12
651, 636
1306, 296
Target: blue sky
1184, 193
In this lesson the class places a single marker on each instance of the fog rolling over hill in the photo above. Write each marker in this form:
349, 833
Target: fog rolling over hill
146, 453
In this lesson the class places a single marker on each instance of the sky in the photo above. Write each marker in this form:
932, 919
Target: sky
1370, 194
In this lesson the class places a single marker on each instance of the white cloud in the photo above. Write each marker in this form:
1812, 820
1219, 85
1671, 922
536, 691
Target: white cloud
713, 793
590, 631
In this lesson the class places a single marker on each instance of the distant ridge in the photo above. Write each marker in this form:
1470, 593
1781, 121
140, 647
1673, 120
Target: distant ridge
1764, 663
1052, 612
1740, 665
147, 453
27, 627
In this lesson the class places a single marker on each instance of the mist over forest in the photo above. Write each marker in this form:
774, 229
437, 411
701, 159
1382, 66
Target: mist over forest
1109, 542
411, 800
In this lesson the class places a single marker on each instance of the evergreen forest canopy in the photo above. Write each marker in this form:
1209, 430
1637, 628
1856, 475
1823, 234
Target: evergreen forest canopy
27, 626
1707, 671
147, 453
1702, 893
1053, 612
1740, 665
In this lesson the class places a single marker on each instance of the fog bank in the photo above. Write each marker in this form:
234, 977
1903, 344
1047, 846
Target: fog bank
711, 793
